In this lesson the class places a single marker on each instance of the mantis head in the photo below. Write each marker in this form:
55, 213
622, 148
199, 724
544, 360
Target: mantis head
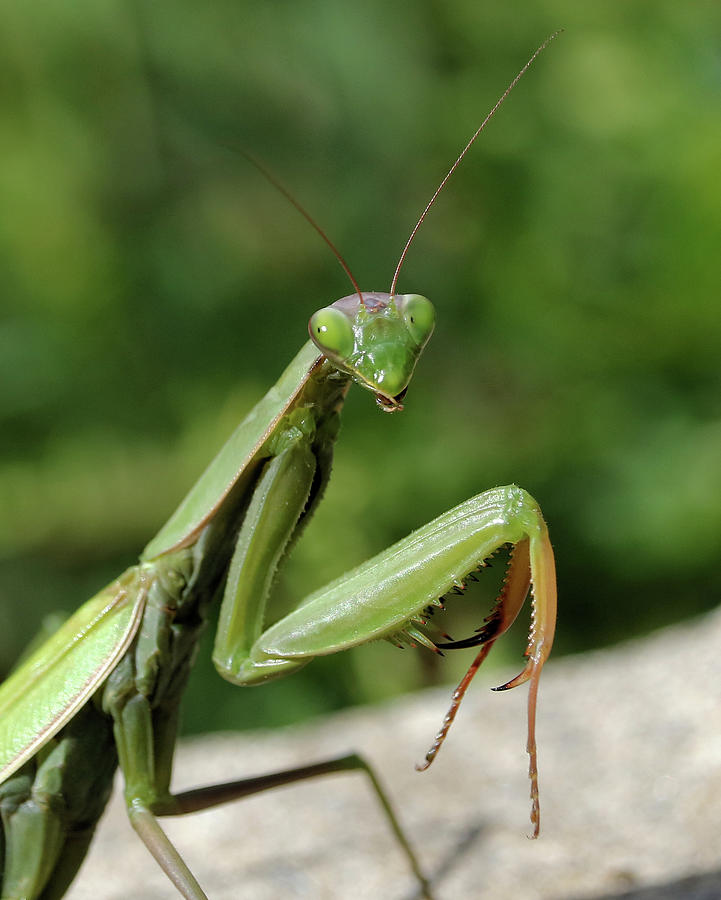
377, 339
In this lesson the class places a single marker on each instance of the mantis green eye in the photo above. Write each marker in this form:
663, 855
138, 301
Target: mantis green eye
331, 332
419, 316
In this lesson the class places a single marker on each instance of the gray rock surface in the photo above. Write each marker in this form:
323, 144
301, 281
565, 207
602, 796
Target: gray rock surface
630, 766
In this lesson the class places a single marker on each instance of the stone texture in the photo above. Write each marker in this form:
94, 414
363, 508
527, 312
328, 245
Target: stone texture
630, 766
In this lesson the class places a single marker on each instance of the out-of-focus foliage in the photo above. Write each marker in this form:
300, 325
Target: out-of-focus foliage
153, 286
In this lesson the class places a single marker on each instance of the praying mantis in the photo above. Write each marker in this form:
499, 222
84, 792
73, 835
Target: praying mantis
104, 691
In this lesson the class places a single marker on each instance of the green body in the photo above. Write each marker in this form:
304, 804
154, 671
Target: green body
106, 688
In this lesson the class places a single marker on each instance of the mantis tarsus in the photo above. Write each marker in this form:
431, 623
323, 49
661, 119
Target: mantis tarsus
105, 689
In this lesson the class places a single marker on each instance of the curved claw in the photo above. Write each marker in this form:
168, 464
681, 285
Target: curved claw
521, 678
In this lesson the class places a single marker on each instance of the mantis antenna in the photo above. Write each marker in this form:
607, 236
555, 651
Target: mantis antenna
465, 150
306, 215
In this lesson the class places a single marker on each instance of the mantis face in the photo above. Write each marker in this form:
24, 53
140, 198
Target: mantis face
377, 339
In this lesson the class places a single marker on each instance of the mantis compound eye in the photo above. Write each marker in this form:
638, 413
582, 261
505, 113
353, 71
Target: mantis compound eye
419, 315
332, 333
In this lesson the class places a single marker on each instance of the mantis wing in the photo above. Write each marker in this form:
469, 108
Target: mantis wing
39, 697
48, 688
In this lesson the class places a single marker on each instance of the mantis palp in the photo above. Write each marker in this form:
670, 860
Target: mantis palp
105, 689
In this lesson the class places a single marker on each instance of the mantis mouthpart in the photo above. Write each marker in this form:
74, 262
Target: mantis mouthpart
105, 689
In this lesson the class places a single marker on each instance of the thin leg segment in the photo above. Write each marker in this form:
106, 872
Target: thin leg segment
214, 795
144, 806
167, 857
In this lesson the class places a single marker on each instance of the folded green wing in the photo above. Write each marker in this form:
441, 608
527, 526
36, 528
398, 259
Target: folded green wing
41, 696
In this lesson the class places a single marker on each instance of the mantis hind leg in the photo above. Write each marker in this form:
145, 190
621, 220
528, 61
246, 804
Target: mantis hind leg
146, 825
147, 797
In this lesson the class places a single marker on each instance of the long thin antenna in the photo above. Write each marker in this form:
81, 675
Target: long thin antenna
464, 151
306, 215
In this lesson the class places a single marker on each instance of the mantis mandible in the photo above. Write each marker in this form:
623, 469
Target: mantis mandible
105, 689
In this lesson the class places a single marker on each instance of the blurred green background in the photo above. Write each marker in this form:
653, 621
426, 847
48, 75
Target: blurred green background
154, 285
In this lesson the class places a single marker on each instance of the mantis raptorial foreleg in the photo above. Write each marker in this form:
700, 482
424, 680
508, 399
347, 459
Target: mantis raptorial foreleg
388, 596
